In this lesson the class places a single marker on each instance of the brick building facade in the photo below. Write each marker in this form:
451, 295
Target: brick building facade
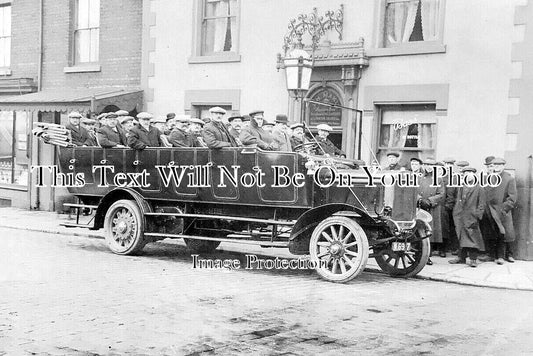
69, 53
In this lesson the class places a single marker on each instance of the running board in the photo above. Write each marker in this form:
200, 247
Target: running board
238, 241
224, 217
69, 225
72, 205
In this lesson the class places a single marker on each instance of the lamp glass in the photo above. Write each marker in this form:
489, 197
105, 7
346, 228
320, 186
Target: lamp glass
298, 68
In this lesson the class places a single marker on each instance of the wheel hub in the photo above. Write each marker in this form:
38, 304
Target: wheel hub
122, 227
336, 250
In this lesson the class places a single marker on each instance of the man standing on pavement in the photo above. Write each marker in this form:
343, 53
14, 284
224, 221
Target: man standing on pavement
109, 135
393, 159
78, 134
448, 226
180, 137
144, 135
327, 146
216, 134
501, 200
254, 135
467, 212
488, 233
280, 133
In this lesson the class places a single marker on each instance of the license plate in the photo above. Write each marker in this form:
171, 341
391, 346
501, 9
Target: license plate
401, 246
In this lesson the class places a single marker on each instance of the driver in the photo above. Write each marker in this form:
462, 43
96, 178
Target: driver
327, 146
298, 137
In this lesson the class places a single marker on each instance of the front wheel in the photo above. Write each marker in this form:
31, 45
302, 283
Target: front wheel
339, 247
404, 263
124, 228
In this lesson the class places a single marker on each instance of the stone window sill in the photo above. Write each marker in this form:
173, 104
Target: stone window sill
5, 71
408, 49
22, 188
216, 58
83, 68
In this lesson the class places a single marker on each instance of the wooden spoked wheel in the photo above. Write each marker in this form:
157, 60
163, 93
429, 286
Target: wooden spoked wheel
124, 228
404, 263
339, 247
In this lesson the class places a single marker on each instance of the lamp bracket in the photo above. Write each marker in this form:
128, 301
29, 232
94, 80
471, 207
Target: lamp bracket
314, 25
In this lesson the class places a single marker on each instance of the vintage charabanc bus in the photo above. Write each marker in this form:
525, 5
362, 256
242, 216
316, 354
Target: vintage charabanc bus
293, 200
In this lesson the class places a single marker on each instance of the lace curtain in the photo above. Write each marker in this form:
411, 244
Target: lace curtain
219, 25
400, 18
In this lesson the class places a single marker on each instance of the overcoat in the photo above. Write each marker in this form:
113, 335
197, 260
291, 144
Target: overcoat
78, 134
282, 139
435, 195
180, 138
500, 202
91, 141
139, 138
255, 135
328, 147
467, 212
216, 135
448, 230
107, 137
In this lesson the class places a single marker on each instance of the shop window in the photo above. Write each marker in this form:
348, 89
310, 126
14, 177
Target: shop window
410, 130
87, 31
14, 150
5, 35
408, 21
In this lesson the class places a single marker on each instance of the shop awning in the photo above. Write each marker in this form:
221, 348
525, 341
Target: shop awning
83, 100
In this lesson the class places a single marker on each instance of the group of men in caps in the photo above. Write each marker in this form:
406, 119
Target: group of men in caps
473, 219
119, 129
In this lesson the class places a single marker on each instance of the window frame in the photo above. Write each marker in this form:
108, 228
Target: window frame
4, 70
27, 119
198, 37
406, 48
75, 29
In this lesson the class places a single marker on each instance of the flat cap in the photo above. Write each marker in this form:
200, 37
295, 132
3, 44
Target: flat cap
158, 119
88, 121
298, 124
230, 119
122, 113
246, 118
488, 160
171, 115
111, 115
416, 159
102, 116
448, 160
462, 164
183, 118
430, 162
498, 160
75, 114
324, 127
394, 153
268, 123
144, 116
469, 169
195, 120
256, 112
282, 118
124, 119
217, 109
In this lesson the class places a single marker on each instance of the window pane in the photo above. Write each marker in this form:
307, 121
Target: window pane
400, 21
83, 14
7, 52
95, 40
218, 35
94, 14
82, 39
21, 159
6, 146
6, 28
216, 8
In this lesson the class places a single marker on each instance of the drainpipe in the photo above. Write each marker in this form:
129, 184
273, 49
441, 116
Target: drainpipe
39, 88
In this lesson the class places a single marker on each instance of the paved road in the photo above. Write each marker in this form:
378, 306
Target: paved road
68, 295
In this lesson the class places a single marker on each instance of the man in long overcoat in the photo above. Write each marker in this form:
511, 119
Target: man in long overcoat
109, 135
254, 135
431, 199
78, 133
280, 133
501, 200
179, 137
468, 211
144, 135
216, 134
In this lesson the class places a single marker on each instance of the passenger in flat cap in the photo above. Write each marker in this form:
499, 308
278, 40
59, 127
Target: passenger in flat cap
78, 134
215, 133
501, 201
415, 165
281, 133
255, 136
127, 122
195, 130
180, 137
89, 125
109, 135
144, 135
235, 127
393, 159
327, 146
298, 135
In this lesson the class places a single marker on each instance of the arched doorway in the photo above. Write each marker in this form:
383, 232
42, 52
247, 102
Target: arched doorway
316, 114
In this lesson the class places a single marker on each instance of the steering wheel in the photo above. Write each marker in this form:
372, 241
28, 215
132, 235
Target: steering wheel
305, 147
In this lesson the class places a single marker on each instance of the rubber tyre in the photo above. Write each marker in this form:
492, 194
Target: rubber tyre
353, 249
394, 268
124, 228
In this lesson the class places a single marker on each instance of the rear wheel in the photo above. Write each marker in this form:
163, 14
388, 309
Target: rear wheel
404, 263
124, 228
339, 246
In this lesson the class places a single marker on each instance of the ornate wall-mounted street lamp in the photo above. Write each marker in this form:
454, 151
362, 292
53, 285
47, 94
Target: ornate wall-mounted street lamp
296, 61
